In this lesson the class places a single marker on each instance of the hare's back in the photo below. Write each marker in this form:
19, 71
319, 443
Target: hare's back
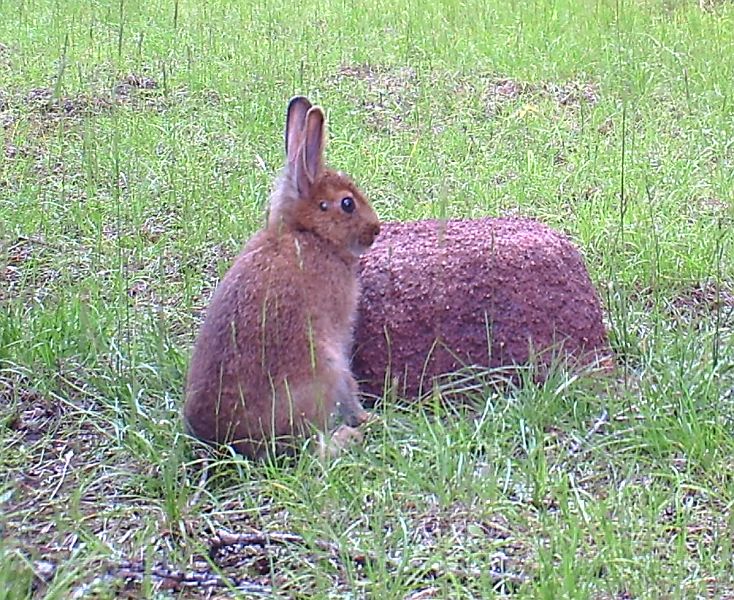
264, 309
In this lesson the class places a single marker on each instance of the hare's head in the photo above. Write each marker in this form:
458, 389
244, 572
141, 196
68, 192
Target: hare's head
310, 196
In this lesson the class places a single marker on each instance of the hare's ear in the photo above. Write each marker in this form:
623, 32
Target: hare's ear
294, 124
311, 160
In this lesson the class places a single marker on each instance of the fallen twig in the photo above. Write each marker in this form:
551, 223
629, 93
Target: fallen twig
173, 579
167, 578
194, 500
37, 241
496, 576
595, 428
262, 539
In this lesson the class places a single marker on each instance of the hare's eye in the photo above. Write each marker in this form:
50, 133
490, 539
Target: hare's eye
323, 205
348, 204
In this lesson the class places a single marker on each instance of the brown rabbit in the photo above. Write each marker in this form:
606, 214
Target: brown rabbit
271, 361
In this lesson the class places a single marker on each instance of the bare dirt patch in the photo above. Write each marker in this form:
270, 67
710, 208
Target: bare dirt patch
50, 451
380, 77
131, 88
30, 415
4, 56
387, 94
26, 261
135, 81
33, 416
506, 555
6, 117
42, 101
501, 92
258, 561
711, 6
705, 299
45, 108
713, 205
694, 301
32, 118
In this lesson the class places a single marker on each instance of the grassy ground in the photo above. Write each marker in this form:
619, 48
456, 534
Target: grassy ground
137, 144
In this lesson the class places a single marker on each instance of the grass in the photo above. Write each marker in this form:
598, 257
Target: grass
137, 147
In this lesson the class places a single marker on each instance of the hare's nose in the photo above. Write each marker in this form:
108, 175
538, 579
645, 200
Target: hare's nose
375, 230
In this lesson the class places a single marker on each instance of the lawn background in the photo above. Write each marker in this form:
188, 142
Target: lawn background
138, 143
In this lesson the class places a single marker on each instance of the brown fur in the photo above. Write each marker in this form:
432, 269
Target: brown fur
272, 358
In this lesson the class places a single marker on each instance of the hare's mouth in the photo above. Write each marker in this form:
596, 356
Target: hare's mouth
358, 249
365, 241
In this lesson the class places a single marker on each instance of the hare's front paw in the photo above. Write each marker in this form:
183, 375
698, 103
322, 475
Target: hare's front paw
352, 413
332, 445
348, 408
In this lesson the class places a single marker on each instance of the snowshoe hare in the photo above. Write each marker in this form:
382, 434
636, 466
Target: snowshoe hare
272, 359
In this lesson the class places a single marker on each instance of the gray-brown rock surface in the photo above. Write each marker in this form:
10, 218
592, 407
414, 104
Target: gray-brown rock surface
442, 295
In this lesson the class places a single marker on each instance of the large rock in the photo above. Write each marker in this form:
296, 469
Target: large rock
442, 295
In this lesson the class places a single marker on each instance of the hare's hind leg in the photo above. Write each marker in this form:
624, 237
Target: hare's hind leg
308, 411
302, 408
